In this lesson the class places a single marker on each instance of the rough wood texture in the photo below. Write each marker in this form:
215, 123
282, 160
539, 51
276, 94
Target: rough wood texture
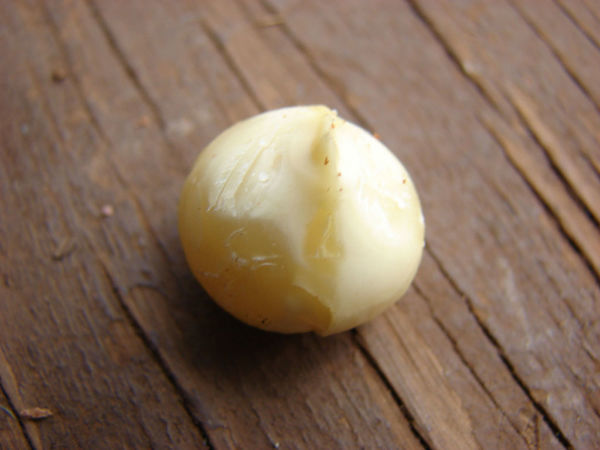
11, 429
492, 105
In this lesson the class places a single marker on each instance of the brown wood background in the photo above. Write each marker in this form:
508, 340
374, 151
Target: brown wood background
494, 107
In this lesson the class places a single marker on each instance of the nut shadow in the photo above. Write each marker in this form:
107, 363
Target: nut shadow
218, 348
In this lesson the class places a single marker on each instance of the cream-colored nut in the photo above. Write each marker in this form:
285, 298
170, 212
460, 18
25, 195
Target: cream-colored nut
296, 220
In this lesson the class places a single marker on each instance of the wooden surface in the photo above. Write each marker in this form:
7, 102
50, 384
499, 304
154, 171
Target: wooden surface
493, 106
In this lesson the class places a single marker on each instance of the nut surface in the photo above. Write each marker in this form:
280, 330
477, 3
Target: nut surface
297, 220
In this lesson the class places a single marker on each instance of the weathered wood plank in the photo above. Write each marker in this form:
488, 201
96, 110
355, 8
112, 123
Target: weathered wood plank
526, 287
579, 56
582, 14
540, 175
245, 386
262, 55
68, 345
482, 357
540, 94
497, 345
428, 375
534, 164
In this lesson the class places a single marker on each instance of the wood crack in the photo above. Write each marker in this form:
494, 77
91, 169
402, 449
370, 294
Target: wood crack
502, 354
334, 85
386, 382
219, 45
464, 360
570, 72
132, 75
569, 222
186, 401
15, 415
547, 142
10, 389
488, 97
452, 55
127, 67
579, 26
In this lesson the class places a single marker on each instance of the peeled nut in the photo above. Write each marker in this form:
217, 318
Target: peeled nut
295, 220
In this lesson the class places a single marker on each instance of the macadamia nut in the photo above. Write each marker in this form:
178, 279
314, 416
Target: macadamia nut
295, 220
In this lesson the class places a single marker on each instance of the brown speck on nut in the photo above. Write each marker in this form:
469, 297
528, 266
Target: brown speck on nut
326, 161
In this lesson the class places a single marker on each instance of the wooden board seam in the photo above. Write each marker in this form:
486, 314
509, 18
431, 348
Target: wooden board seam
539, 33
218, 44
127, 67
414, 426
462, 357
576, 22
185, 401
503, 356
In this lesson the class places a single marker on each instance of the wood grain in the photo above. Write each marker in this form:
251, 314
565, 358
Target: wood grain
492, 106
579, 57
584, 16
69, 346
244, 386
506, 272
561, 117
11, 429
